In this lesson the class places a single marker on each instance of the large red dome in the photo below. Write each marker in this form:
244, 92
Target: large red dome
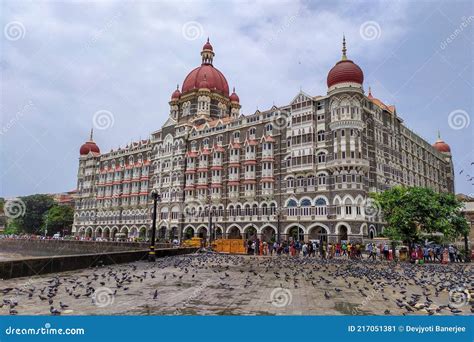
345, 71
441, 146
206, 75
89, 146
214, 78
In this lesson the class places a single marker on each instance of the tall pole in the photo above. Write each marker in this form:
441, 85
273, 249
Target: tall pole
466, 249
151, 253
210, 226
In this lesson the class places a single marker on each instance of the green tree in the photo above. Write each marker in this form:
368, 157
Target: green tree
412, 212
58, 219
35, 208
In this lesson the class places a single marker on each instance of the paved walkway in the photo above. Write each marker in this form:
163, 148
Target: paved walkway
211, 284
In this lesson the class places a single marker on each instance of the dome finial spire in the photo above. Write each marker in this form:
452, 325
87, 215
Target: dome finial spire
207, 53
92, 135
344, 50
439, 135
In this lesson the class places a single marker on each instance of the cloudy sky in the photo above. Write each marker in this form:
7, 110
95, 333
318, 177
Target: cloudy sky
62, 62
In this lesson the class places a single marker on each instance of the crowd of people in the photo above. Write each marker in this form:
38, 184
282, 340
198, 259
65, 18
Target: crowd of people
324, 250
371, 251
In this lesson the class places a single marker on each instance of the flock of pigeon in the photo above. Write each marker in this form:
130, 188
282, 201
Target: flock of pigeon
373, 287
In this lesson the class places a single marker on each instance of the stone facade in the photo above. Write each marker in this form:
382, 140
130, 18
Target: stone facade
303, 170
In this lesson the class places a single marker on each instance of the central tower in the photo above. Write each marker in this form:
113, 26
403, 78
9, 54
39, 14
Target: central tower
204, 95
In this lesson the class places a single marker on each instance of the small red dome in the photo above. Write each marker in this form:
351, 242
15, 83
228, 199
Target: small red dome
441, 146
345, 71
89, 146
234, 97
176, 94
207, 46
206, 76
214, 78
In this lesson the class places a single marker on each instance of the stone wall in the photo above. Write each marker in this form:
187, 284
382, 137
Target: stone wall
36, 266
35, 247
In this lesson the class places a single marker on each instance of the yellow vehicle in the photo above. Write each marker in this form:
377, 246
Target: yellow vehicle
193, 242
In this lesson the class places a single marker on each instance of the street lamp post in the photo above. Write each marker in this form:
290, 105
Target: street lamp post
151, 253
210, 226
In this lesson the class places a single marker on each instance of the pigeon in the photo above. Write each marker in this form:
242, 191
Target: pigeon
54, 311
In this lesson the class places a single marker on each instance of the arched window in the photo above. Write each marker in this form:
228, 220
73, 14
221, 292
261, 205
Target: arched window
321, 157
305, 207
247, 210
321, 136
290, 183
255, 210
322, 179
272, 209
252, 132
292, 207
321, 207
348, 207
300, 181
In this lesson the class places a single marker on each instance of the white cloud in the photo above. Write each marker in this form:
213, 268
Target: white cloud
78, 58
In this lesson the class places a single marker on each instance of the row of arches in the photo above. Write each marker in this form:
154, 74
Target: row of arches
267, 232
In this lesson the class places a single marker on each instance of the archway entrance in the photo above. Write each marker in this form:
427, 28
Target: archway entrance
113, 233
142, 233
234, 233
217, 233
371, 233
343, 233
251, 233
296, 234
88, 233
268, 234
318, 233
188, 233
98, 233
202, 233
173, 233
162, 233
